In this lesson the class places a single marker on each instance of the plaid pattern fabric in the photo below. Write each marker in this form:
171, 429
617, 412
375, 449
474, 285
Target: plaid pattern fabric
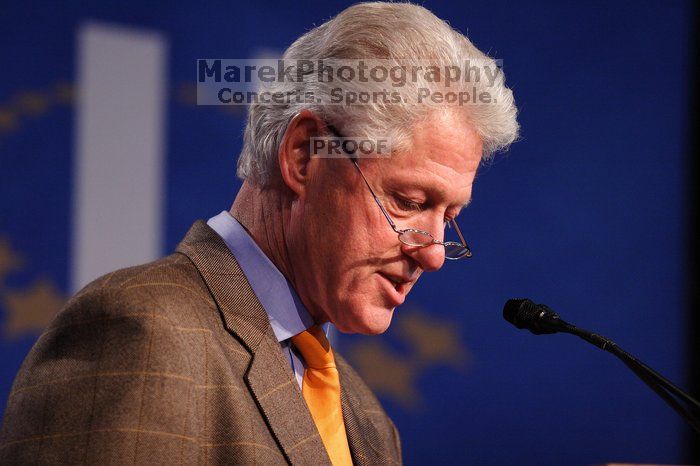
174, 362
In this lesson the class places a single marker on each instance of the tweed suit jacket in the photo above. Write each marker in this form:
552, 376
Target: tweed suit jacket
175, 362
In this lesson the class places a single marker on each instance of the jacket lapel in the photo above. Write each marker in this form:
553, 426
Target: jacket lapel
269, 377
363, 436
276, 390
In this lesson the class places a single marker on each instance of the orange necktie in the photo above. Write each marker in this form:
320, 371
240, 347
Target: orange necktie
321, 390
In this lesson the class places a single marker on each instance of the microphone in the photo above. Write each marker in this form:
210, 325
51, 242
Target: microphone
537, 318
540, 319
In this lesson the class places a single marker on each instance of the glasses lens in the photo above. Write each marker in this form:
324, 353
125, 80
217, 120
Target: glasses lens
456, 250
415, 238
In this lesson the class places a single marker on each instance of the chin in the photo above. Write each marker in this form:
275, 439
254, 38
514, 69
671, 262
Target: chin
366, 322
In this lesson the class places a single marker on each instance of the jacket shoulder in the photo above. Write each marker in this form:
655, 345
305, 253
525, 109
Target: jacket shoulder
114, 364
172, 279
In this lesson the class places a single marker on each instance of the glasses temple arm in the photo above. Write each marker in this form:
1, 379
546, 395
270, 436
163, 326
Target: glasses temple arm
336, 134
376, 199
459, 232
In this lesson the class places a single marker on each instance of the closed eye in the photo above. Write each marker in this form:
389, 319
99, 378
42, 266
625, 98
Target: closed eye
408, 205
413, 206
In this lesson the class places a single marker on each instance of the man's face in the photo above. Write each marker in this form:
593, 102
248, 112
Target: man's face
349, 266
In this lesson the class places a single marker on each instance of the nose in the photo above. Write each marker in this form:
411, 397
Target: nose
430, 258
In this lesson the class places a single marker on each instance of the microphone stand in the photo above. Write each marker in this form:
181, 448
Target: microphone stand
662, 386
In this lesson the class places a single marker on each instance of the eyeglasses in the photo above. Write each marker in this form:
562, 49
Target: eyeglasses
413, 236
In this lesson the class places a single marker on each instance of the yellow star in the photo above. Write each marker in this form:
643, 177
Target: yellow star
31, 310
9, 259
63, 93
8, 120
432, 341
32, 103
386, 372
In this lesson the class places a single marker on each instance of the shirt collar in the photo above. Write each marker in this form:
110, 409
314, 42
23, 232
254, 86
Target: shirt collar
287, 314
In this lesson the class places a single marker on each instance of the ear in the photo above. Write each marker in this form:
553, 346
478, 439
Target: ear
294, 153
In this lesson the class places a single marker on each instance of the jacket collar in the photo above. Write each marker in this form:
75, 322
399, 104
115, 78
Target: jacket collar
240, 309
286, 312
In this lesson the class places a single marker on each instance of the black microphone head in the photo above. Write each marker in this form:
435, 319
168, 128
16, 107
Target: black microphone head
516, 310
537, 318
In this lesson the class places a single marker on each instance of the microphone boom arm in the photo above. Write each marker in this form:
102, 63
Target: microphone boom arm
539, 319
657, 382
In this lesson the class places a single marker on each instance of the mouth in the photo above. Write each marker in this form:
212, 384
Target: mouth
397, 288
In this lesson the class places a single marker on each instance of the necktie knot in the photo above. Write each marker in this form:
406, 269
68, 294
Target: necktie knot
315, 348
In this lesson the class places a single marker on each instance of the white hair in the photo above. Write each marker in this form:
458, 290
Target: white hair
398, 32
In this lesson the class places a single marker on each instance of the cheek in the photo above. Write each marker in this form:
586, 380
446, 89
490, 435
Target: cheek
345, 273
345, 233
337, 243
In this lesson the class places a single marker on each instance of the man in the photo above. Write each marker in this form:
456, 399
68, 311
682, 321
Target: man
214, 354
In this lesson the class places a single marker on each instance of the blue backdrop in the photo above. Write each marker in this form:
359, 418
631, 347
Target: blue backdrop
586, 213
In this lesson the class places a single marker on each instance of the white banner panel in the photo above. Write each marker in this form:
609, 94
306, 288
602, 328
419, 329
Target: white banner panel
119, 169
